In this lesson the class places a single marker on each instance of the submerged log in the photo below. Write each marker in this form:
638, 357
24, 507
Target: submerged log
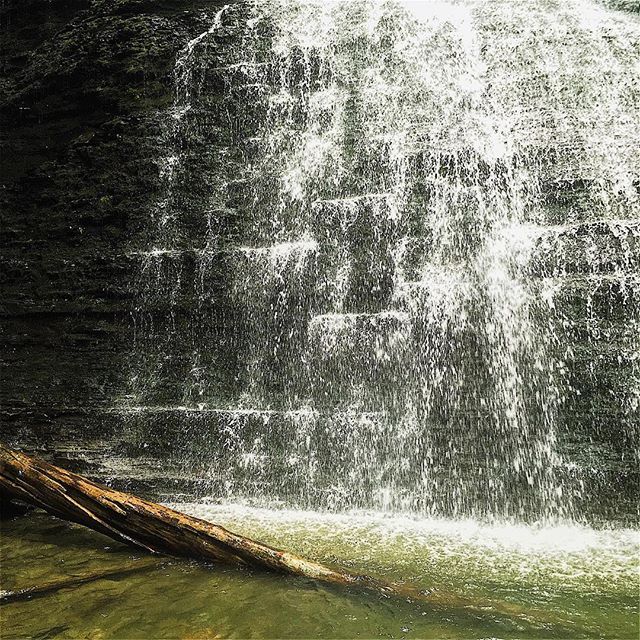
150, 526
72, 582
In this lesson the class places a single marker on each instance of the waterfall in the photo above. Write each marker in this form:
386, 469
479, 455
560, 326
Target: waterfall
358, 287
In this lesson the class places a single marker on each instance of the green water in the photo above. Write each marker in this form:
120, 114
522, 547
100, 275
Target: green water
559, 582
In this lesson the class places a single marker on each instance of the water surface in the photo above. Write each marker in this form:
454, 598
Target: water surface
522, 581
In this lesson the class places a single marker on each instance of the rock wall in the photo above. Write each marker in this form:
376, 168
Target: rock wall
86, 84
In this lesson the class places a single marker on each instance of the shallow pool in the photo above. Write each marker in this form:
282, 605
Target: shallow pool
521, 581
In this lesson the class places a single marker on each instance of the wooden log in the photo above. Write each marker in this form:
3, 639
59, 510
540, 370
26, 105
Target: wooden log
149, 526
141, 523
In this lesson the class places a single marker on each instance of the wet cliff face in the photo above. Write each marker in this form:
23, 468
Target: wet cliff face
88, 86
84, 82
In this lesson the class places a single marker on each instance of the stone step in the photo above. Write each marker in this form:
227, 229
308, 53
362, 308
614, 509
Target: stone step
599, 246
597, 299
331, 327
574, 200
596, 246
568, 296
357, 220
245, 454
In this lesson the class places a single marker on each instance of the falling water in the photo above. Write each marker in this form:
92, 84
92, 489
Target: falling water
374, 219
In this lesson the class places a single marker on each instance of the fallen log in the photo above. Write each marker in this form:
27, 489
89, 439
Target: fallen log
143, 524
159, 529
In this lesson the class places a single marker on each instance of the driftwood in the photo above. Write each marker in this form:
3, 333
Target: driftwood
159, 529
